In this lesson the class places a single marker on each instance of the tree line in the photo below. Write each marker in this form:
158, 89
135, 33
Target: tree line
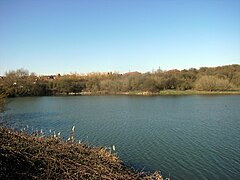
22, 83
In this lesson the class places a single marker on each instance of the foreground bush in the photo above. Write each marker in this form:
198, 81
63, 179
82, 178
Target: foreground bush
29, 157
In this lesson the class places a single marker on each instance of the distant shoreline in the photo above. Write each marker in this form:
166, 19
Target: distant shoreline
203, 81
161, 93
145, 93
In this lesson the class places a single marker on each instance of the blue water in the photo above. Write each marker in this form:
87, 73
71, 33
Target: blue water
190, 137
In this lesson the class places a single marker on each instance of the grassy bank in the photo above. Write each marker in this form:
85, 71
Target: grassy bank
163, 93
24, 156
193, 92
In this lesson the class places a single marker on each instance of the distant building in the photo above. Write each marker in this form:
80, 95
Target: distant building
48, 77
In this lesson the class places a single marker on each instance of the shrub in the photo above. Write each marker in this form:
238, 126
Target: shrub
212, 83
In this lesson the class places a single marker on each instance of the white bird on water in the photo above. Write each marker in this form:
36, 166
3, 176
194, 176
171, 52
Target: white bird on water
73, 128
114, 148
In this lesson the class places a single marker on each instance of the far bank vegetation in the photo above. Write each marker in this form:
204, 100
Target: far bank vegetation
22, 83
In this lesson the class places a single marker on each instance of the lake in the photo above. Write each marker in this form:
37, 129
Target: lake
190, 137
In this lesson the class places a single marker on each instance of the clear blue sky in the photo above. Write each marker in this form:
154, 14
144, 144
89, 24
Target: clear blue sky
63, 36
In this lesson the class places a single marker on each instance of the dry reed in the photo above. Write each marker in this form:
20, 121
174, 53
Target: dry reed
24, 156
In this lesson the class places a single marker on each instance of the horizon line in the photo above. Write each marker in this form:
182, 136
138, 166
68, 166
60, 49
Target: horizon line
115, 71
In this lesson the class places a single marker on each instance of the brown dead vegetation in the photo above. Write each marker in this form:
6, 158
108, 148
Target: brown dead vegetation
24, 156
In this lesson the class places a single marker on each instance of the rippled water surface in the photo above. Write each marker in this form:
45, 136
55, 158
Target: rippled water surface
190, 137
